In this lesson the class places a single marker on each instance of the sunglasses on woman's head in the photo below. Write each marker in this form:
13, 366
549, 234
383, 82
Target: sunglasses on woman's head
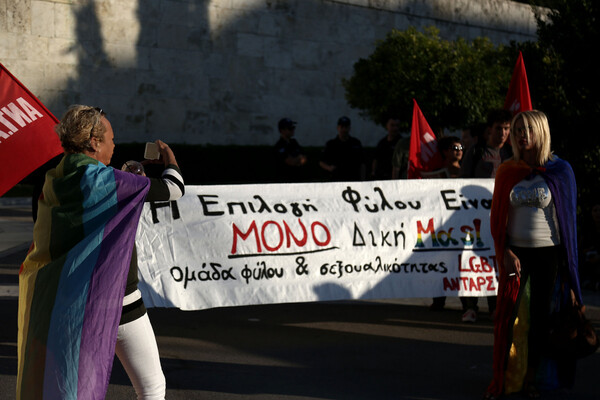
102, 113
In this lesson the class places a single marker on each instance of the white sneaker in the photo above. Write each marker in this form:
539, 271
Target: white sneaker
469, 316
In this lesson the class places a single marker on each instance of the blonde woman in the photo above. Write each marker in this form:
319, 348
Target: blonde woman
533, 223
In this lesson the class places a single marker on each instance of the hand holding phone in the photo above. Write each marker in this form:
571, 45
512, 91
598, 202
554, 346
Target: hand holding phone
151, 152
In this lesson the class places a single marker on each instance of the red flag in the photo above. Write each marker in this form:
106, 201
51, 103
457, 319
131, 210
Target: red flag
27, 137
517, 98
423, 155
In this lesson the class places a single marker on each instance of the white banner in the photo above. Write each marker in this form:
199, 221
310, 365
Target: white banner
278, 243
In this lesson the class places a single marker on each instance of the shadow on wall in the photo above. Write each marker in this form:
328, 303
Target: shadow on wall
197, 72
147, 88
195, 69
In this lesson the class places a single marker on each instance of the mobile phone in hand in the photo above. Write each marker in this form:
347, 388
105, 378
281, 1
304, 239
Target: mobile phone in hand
151, 152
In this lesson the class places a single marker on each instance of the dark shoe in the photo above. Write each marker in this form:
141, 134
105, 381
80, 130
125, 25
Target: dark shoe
438, 304
532, 392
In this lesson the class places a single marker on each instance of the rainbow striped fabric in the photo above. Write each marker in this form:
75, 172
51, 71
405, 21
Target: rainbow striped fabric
72, 283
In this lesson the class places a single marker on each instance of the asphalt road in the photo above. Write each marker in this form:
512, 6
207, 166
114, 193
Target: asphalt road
395, 349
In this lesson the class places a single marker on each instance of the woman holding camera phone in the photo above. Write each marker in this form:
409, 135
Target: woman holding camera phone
78, 302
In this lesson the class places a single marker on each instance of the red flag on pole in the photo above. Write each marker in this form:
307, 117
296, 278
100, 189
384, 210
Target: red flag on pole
423, 155
517, 98
27, 137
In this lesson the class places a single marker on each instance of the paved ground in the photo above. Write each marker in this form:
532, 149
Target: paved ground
395, 349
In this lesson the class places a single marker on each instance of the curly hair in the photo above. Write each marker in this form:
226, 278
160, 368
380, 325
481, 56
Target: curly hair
78, 126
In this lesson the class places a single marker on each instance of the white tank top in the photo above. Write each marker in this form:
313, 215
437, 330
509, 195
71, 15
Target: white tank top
532, 218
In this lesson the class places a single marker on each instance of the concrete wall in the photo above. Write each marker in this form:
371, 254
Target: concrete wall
222, 71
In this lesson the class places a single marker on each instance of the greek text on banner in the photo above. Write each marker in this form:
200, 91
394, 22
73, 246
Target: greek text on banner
279, 243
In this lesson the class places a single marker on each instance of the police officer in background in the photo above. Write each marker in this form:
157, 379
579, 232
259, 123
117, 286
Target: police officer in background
291, 160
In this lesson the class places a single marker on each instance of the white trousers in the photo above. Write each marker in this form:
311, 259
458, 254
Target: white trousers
138, 352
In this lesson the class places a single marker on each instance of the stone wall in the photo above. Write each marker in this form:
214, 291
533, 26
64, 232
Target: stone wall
222, 71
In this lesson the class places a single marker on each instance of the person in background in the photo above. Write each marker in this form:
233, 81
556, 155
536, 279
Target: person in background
78, 298
343, 156
533, 224
291, 159
472, 135
381, 168
400, 158
451, 150
482, 161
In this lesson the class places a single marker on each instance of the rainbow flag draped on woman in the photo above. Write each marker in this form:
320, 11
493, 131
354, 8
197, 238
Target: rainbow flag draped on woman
72, 282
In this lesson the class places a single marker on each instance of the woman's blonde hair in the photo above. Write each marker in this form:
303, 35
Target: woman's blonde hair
537, 132
78, 126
